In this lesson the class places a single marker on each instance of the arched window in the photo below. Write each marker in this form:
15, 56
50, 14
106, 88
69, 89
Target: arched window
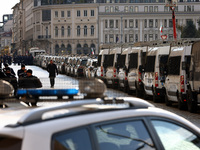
69, 49
85, 30
78, 31
79, 49
56, 31
63, 51
63, 31
92, 30
68, 31
85, 49
56, 49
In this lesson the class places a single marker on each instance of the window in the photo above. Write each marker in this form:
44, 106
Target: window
166, 9
85, 30
131, 9
131, 23
131, 38
62, 31
136, 38
85, 13
111, 9
117, 24
145, 8
78, 31
92, 12
156, 36
155, 8
78, 13
111, 23
126, 9
111, 38
165, 23
189, 8
46, 15
106, 23
120, 135
68, 14
125, 38
136, 23
56, 31
56, 14
150, 23
145, 23
150, 37
92, 30
150, 8
77, 139
116, 8
62, 14
174, 136
156, 23
170, 23
125, 23
106, 9
106, 38
68, 31
136, 8
145, 37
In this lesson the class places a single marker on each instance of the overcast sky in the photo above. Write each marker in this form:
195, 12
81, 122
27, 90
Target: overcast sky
6, 7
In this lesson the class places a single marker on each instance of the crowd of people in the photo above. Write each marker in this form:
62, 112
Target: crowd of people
16, 59
25, 78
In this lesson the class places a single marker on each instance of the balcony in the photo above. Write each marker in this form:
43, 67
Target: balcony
44, 37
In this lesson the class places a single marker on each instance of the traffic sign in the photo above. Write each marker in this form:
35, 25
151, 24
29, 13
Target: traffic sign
164, 37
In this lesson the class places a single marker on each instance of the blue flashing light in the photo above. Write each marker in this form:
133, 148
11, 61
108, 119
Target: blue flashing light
48, 92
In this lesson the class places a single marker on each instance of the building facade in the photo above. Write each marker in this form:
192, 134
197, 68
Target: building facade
79, 26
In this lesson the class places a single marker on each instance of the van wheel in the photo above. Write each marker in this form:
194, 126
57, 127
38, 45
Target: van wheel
167, 102
192, 102
181, 105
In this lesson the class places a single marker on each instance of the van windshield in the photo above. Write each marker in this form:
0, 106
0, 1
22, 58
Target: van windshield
174, 65
163, 64
121, 61
99, 60
133, 60
108, 60
150, 63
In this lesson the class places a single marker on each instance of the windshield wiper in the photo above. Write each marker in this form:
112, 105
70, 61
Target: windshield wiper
124, 136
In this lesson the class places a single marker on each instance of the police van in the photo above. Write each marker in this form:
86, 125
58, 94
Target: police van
193, 88
110, 67
100, 69
155, 72
176, 81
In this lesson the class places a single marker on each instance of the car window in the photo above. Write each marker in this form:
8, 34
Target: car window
175, 137
75, 140
124, 136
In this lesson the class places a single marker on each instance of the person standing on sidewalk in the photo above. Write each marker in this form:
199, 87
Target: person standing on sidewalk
52, 69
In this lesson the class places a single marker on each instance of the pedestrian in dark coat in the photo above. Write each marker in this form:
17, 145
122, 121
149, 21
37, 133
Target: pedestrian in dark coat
11, 79
30, 81
2, 74
21, 72
52, 69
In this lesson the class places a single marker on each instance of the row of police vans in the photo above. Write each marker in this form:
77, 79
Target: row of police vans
168, 72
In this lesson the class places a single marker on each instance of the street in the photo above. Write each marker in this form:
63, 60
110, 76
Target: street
63, 81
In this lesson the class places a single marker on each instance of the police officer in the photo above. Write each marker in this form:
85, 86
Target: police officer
30, 81
52, 69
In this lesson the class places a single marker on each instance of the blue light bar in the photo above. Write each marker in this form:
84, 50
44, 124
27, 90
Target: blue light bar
47, 92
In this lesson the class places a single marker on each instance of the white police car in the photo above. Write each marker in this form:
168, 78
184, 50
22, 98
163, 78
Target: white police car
103, 123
